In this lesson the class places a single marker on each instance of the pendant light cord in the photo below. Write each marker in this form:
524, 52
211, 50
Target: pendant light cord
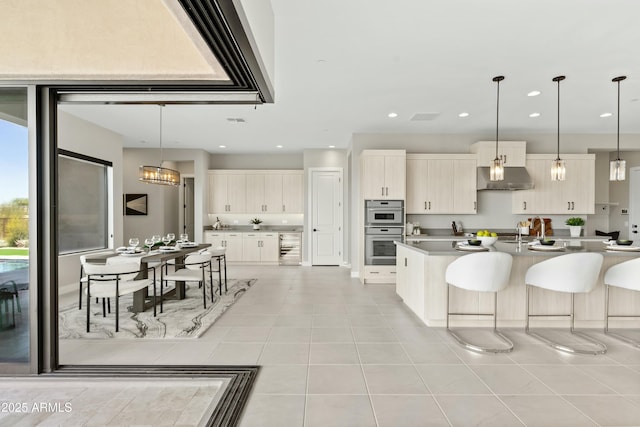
558, 79
618, 130
497, 79
161, 107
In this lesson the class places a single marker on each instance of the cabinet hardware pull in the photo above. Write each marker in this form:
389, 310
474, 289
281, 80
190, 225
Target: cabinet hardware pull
425, 206
429, 205
573, 206
568, 206
283, 208
475, 206
505, 159
387, 191
405, 262
524, 206
382, 193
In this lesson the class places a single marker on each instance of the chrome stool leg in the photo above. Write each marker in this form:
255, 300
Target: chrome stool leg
601, 348
496, 332
616, 335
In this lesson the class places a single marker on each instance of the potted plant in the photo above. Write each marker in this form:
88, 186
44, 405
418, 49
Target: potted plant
256, 223
575, 225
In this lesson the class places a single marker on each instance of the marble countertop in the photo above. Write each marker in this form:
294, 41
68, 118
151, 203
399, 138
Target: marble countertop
448, 248
263, 229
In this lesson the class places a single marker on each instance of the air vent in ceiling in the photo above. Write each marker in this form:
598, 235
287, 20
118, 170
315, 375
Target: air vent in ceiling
424, 117
236, 120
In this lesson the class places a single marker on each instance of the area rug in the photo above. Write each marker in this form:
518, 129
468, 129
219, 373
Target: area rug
180, 318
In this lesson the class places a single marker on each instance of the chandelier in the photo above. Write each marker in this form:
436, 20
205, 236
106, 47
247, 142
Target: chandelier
158, 174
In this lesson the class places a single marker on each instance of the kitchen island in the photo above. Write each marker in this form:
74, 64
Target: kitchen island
421, 284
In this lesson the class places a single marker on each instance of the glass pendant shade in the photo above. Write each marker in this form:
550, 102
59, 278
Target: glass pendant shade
558, 170
617, 170
158, 174
496, 171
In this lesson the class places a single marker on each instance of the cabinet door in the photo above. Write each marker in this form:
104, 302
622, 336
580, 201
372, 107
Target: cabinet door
395, 177
579, 187
292, 193
439, 186
250, 247
373, 177
513, 153
416, 186
465, 191
255, 194
415, 283
540, 199
402, 255
269, 248
214, 239
236, 187
273, 193
233, 243
217, 193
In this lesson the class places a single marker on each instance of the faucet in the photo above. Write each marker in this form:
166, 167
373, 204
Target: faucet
541, 226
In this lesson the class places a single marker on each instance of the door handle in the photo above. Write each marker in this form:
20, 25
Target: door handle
315, 229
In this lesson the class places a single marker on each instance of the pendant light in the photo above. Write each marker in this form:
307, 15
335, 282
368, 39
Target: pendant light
617, 167
158, 174
496, 171
558, 170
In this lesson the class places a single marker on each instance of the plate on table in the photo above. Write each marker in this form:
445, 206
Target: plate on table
623, 248
131, 253
188, 245
124, 249
168, 249
543, 248
469, 248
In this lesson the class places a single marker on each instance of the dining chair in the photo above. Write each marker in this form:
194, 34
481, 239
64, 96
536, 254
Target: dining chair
463, 273
219, 256
571, 273
83, 277
625, 275
9, 292
193, 269
114, 280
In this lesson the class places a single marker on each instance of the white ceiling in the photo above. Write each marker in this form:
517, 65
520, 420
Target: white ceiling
342, 65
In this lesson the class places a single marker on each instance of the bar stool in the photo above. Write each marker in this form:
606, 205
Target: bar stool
572, 273
495, 268
624, 275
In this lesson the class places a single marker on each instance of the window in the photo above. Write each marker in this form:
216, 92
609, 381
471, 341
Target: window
84, 192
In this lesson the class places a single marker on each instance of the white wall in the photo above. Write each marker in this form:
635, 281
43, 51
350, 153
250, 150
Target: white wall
256, 161
86, 138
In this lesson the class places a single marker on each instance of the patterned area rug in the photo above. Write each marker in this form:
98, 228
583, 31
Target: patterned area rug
181, 318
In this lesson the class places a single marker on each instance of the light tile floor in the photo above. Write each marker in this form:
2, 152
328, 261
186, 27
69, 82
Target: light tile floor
335, 352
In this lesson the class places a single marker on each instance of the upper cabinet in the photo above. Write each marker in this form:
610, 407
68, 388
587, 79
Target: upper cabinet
512, 153
441, 184
383, 174
256, 191
574, 195
226, 192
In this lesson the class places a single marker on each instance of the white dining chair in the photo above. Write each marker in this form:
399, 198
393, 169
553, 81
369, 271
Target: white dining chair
112, 280
625, 275
571, 273
481, 272
193, 269
218, 255
82, 281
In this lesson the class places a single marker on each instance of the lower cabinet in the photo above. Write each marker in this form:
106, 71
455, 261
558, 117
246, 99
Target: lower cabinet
410, 267
379, 273
260, 247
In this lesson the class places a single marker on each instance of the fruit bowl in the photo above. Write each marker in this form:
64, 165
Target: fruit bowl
547, 242
624, 242
474, 242
487, 240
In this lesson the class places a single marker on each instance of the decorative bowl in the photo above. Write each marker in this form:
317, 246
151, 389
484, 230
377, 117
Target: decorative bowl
487, 240
547, 242
624, 242
474, 242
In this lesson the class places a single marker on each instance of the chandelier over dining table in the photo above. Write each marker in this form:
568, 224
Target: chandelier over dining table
158, 174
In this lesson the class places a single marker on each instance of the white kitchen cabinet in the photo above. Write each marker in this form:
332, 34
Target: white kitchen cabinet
232, 241
410, 279
264, 193
383, 174
441, 184
227, 192
260, 247
293, 192
512, 153
575, 195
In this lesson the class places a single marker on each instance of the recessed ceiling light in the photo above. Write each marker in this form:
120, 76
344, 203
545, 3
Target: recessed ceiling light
534, 115
463, 115
222, 146
534, 93
332, 146
606, 115
278, 146
143, 142
392, 115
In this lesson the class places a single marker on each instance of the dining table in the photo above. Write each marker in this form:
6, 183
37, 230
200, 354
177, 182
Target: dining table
141, 298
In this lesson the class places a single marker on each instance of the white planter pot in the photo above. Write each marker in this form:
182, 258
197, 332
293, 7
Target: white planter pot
256, 226
575, 230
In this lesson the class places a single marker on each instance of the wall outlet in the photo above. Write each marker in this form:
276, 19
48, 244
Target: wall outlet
624, 211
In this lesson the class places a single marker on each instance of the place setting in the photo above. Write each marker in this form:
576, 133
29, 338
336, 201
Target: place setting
546, 245
622, 245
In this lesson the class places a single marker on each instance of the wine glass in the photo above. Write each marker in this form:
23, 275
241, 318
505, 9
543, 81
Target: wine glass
156, 239
184, 237
148, 243
133, 243
171, 236
166, 240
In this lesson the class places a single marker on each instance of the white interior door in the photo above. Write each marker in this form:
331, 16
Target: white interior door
326, 217
634, 203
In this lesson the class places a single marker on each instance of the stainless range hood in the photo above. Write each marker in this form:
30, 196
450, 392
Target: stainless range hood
515, 178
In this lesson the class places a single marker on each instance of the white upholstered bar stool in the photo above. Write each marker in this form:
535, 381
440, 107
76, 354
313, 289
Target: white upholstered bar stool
572, 273
495, 268
624, 275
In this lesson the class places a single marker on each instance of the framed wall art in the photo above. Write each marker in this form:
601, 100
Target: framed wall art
135, 204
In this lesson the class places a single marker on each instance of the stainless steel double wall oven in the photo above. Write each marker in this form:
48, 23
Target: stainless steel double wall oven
384, 223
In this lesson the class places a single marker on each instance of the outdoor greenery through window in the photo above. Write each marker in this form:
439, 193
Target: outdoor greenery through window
83, 203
